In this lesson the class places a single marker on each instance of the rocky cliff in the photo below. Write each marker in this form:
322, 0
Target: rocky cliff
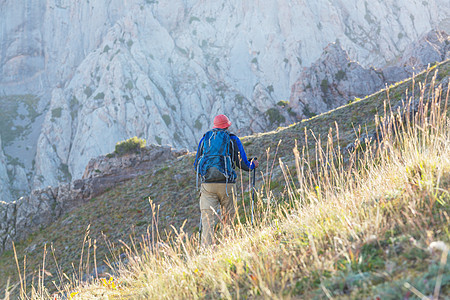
42, 207
335, 79
44, 41
4, 182
161, 70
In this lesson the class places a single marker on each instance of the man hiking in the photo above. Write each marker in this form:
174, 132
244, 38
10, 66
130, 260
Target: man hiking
218, 153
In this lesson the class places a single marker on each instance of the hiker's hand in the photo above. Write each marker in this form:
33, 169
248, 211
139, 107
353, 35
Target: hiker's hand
256, 163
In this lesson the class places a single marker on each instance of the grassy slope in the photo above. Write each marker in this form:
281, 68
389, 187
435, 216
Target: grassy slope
125, 210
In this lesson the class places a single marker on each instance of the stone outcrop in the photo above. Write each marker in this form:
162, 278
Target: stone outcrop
431, 48
20, 218
130, 165
4, 179
331, 82
334, 79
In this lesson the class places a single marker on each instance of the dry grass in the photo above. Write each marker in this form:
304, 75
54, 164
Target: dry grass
348, 226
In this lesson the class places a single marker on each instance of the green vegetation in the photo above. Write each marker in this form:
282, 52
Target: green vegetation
17, 113
88, 91
356, 99
307, 112
324, 86
291, 112
161, 91
166, 119
239, 99
66, 176
275, 117
283, 103
129, 85
198, 124
74, 107
57, 112
183, 51
99, 96
132, 145
340, 75
193, 19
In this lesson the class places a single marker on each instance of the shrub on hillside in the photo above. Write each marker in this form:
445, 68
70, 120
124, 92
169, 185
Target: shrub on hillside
132, 145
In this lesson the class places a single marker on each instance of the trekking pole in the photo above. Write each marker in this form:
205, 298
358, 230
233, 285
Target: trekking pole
253, 187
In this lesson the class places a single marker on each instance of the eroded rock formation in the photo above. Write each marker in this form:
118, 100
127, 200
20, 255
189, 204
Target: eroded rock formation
20, 218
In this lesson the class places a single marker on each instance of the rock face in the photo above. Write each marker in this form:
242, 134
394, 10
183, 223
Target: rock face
334, 79
331, 82
433, 47
430, 48
161, 70
114, 165
4, 179
44, 42
20, 218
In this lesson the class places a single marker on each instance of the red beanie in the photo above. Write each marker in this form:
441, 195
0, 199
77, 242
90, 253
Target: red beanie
221, 121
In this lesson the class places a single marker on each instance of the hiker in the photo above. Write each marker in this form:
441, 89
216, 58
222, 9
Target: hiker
218, 153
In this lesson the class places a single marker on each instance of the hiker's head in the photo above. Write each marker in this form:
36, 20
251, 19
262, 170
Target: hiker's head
221, 121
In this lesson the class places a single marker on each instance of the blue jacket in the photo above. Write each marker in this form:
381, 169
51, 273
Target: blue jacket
238, 158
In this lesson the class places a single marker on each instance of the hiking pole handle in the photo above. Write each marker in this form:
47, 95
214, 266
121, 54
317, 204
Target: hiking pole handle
253, 190
251, 161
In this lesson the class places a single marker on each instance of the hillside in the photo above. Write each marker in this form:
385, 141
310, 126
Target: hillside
126, 211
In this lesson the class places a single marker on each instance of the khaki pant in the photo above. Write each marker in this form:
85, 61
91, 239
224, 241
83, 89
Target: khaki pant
214, 196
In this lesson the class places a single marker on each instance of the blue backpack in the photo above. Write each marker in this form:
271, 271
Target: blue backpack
215, 152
